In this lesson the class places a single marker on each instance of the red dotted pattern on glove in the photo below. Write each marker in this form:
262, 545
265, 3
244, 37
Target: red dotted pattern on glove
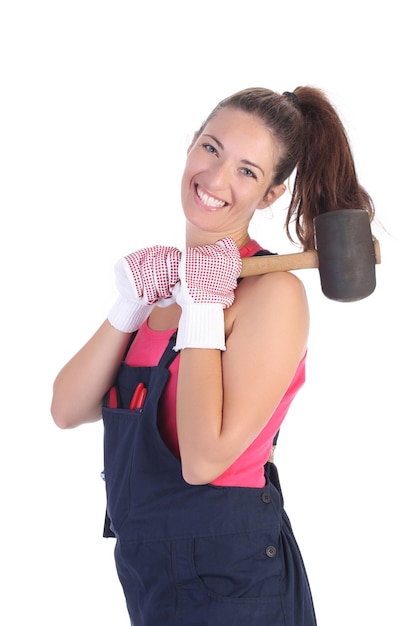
154, 271
211, 272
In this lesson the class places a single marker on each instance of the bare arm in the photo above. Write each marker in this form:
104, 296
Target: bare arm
81, 384
225, 399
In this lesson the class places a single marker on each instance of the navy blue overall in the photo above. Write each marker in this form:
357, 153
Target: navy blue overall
191, 555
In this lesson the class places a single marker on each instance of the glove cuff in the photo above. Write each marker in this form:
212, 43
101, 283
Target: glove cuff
128, 315
201, 326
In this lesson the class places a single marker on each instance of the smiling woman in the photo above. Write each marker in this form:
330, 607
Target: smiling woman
194, 371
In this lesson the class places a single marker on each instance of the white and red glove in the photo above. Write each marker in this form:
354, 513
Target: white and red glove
144, 278
208, 279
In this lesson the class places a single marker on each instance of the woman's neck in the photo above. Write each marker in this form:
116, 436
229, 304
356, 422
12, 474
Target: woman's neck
196, 237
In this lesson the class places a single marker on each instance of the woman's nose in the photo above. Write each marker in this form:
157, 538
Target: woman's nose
221, 175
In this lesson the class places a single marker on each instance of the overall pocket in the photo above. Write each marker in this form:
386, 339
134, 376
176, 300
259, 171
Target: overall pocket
235, 579
244, 568
120, 427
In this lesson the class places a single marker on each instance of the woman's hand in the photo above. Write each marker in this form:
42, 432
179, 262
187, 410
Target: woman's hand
144, 278
208, 279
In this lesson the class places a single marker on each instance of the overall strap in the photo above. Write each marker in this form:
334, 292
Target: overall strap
169, 353
129, 343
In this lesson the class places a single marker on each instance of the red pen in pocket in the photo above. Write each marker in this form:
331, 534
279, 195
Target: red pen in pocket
111, 398
138, 397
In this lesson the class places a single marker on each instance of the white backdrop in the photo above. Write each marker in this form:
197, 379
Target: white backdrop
98, 102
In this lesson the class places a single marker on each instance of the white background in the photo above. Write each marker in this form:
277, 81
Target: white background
98, 102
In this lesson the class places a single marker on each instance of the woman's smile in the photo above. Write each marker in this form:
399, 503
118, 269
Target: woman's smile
207, 200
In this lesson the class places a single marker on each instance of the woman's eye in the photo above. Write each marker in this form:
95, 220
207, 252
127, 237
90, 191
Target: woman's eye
248, 172
209, 148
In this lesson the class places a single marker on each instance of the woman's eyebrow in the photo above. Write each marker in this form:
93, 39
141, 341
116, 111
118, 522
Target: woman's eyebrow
245, 161
219, 143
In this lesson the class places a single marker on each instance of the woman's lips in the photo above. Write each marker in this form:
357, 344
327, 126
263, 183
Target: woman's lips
209, 201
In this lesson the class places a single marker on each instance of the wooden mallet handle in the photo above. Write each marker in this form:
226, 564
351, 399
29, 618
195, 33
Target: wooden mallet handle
257, 265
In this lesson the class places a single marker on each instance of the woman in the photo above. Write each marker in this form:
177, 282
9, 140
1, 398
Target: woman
194, 399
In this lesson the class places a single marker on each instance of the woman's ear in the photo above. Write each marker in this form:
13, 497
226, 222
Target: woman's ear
271, 195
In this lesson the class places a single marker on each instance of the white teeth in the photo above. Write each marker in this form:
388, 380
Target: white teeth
208, 200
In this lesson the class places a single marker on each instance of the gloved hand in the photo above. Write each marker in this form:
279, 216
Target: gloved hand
144, 278
208, 278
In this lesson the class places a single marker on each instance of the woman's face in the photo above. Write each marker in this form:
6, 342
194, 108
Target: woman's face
228, 175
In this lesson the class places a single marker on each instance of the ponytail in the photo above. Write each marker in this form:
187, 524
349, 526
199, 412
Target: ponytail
325, 177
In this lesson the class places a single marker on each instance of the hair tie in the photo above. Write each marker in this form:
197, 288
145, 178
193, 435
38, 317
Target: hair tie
291, 95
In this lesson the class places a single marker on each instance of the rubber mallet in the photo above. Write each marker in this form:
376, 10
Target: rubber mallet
345, 254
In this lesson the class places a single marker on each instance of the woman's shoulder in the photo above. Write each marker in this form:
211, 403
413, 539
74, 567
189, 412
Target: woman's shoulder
272, 287
270, 301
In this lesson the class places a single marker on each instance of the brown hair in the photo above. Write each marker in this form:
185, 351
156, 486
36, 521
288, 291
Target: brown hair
315, 145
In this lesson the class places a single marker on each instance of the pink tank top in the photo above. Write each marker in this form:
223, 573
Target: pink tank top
248, 469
